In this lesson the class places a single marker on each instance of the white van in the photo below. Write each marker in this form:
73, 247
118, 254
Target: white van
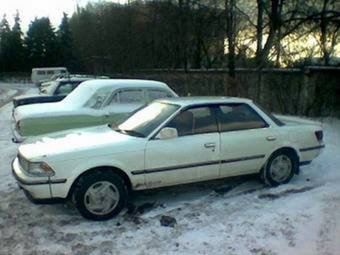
45, 73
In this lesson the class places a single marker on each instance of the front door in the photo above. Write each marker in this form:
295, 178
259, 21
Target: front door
190, 157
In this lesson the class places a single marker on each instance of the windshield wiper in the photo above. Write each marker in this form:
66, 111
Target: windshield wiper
129, 132
133, 132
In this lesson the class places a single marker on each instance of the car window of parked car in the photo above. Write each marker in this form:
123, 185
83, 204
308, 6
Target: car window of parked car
98, 98
156, 94
146, 120
64, 89
271, 116
239, 117
131, 96
194, 121
41, 72
50, 72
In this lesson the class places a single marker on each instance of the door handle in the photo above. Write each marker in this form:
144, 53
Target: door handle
210, 145
271, 138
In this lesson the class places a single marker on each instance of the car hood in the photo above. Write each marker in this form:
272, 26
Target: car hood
85, 142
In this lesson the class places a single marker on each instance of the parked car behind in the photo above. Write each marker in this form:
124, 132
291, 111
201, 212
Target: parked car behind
56, 91
45, 73
169, 142
44, 85
92, 103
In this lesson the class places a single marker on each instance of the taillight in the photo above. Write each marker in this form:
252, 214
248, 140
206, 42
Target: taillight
319, 135
18, 125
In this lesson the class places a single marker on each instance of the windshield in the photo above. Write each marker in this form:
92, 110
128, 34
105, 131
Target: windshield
143, 122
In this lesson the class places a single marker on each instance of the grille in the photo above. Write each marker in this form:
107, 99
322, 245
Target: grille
23, 162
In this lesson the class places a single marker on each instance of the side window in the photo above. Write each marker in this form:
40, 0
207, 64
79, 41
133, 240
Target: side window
98, 98
64, 89
41, 72
131, 96
194, 121
239, 117
156, 93
50, 72
127, 97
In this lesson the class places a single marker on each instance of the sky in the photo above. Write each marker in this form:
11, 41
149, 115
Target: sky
29, 9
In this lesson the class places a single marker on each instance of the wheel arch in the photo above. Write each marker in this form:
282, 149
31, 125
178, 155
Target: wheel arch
293, 151
113, 169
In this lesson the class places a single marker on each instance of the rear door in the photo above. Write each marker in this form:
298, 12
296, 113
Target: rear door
246, 139
192, 156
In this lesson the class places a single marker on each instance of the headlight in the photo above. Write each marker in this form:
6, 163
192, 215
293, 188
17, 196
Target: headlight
39, 169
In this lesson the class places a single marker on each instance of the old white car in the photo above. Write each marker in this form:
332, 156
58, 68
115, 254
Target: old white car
169, 142
92, 103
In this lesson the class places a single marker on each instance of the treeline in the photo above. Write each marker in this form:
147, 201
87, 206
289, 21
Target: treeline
41, 46
109, 37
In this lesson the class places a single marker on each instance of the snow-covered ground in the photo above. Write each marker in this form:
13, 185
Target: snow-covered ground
298, 218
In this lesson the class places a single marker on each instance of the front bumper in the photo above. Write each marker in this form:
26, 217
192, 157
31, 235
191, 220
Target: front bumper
37, 189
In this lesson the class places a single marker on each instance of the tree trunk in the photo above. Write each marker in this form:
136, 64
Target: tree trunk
229, 7
259, 26
323, 36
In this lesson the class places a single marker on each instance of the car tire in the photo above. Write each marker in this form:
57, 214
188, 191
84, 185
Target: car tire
280, 168
100, 195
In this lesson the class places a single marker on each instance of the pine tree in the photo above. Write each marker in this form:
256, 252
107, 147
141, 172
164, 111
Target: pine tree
41, 43
4, 43
16, 46
65, 42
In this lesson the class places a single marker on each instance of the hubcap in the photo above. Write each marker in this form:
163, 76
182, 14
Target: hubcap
101, 198
280, 168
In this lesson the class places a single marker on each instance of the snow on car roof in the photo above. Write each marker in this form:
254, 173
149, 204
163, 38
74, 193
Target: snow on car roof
123, 83
88, 88
184, 101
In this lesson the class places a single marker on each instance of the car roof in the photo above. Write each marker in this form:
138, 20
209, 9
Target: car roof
48, 68
123, 83
74, 79
199, 100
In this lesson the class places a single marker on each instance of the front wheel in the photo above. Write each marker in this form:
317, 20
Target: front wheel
100, 195
280, 168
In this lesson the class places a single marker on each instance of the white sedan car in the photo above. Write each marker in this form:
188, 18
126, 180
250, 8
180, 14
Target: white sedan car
169, 142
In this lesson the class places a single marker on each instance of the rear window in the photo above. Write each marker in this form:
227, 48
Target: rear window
271, 116
65, 88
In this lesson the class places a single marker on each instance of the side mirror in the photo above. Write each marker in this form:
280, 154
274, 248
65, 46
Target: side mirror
167, 133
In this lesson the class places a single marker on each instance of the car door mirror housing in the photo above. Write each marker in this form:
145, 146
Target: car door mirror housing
167, 133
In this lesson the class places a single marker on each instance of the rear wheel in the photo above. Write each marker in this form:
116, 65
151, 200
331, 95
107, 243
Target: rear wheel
100, 195
280, 168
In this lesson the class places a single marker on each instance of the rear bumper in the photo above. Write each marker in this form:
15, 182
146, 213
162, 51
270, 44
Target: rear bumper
307, 154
